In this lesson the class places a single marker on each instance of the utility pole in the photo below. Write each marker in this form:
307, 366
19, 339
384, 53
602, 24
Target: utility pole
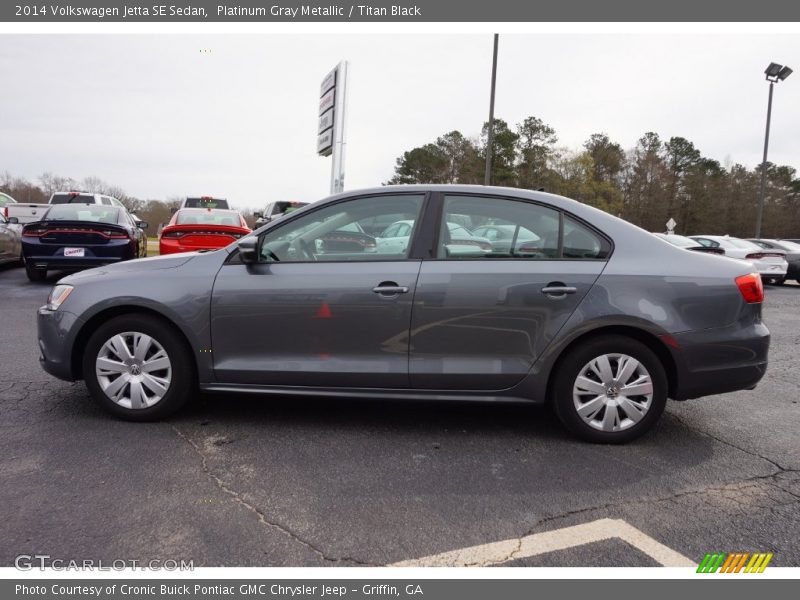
487, 177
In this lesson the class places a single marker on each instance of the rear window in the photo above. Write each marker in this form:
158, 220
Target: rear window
83, 212
72, 199
287, 207
208, 217
204, 202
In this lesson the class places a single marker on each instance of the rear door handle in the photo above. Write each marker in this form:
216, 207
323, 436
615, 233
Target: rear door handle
559, 290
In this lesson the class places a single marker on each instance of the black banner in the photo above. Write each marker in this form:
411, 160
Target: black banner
406, 589
48, 11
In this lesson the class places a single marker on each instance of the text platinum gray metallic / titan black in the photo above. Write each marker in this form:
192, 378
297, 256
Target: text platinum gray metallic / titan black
575, 308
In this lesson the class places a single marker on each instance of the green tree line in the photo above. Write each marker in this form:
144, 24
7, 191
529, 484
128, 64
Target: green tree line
648, 184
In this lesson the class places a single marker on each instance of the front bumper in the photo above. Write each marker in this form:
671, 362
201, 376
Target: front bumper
720, 360
56, 330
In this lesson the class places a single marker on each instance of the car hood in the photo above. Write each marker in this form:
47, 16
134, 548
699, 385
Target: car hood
139, 265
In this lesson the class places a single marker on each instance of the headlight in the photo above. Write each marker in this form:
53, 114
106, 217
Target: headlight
58, 295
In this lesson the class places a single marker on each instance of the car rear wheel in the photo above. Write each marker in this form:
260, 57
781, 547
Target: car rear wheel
138, 368
612, 389
35, 273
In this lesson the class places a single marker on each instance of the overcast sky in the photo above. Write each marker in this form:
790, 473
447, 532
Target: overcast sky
157, 117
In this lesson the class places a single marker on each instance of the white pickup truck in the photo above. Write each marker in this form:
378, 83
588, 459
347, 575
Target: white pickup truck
28, 213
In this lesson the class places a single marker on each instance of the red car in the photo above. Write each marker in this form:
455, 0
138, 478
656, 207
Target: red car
192, 229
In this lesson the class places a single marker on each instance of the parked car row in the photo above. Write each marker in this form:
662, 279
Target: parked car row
775, 260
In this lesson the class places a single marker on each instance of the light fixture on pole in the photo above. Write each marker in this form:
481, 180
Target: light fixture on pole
774, 73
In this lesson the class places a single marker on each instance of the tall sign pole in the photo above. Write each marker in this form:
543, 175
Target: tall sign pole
487, 177
332, 122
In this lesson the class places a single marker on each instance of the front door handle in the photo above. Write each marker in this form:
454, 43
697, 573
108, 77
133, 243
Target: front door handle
558, 289
389, 288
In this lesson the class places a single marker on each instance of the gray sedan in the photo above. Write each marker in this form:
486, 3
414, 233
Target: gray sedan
602, 320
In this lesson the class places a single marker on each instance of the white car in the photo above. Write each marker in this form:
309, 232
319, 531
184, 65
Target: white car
394, 239
771, 264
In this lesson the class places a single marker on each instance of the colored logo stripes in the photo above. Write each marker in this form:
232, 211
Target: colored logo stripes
735, 562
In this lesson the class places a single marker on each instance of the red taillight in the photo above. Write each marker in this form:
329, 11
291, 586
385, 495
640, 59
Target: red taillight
758, 255
33, 232
114, 235
172, 234
5, 212
751, 288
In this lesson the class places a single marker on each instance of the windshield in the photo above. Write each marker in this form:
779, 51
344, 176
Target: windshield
83, 212
209, 217
745, 245
788, 246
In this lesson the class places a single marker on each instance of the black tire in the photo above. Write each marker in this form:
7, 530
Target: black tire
183, 375
35, 274
572, 364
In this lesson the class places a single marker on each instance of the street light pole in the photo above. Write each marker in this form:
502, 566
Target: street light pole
487, 176
763, 187
774, 73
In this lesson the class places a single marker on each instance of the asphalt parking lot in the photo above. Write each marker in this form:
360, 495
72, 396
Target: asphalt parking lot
243, 481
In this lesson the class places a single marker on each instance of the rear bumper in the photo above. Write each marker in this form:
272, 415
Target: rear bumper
61, 262
720, 360
771, 269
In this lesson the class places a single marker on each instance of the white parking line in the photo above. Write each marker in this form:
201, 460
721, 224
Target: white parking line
550, 541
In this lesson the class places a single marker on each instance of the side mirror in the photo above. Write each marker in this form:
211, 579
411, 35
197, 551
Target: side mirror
13, 221
258, 215
248, 249
142, 224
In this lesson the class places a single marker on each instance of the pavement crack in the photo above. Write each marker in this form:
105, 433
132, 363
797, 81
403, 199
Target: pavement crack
610, 506
262, 517
774, 463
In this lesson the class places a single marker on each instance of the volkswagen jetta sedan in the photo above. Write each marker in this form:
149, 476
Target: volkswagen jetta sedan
594, 316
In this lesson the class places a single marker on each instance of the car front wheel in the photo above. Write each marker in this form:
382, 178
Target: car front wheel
138, 368
611, 389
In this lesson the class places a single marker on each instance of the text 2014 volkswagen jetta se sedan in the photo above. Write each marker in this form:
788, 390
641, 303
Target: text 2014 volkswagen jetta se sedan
584, 311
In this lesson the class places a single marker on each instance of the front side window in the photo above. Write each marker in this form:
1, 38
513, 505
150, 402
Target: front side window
345, 231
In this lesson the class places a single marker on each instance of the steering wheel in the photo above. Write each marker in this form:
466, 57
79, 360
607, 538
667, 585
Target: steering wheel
306, 249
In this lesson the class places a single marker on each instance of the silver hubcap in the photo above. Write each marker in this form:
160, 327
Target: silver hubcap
133, 370
612, 392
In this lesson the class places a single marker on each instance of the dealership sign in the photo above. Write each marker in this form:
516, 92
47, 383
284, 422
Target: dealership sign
327, 100
331, 122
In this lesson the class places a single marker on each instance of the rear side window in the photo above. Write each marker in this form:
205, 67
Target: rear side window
582, 242
72, 199
514, 229
486, 227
